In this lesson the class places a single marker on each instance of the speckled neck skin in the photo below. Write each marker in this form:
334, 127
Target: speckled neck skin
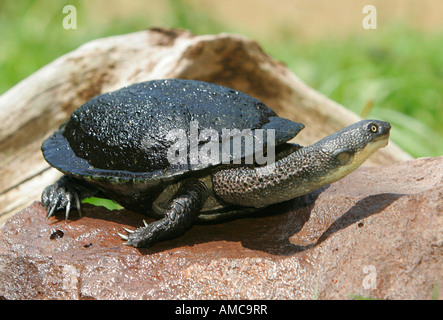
304, 170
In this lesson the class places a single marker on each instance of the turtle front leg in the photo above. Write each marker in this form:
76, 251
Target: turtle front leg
179, 217
65, 194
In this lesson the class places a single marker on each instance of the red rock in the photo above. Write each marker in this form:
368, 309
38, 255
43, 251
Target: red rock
376, 233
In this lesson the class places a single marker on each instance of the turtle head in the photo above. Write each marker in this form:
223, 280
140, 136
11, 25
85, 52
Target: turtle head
345, 150
305, 169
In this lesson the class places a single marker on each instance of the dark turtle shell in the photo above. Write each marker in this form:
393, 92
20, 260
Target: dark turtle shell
123, 135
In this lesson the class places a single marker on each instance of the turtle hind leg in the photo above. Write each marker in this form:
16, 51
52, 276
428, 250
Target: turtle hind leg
65, 194
179, 217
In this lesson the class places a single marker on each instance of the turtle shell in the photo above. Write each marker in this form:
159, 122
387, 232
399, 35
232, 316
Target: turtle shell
126, 134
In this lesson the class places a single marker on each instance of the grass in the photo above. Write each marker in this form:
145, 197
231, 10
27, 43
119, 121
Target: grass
435, 291
395, 74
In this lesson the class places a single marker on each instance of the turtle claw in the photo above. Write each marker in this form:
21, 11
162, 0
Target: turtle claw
78, 204
134, 237
128, 230
51, 211
59, 196
124, 237
146, 236
68, 209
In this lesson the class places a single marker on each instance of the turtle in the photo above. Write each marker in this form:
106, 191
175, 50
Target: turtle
187, 151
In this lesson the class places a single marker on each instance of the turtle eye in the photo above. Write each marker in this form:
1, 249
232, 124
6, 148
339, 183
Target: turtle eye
373, 127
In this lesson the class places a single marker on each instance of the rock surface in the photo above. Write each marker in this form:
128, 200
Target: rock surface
376, 233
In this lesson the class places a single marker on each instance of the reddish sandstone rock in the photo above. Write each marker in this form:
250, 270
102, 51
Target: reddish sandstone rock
377, 233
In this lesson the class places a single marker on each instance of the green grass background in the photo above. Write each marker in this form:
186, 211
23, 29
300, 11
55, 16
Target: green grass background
394, 74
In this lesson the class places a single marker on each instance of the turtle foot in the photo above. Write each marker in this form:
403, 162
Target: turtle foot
61, 195
179, 217
148, 235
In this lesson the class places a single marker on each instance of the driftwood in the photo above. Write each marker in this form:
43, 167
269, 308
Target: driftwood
36, 106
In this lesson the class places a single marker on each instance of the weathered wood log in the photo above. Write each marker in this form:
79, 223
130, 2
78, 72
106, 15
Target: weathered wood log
36, 106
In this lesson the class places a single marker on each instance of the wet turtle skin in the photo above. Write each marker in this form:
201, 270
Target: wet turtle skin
116, 145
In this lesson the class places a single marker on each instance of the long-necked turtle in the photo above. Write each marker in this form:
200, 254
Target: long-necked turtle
165, 148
